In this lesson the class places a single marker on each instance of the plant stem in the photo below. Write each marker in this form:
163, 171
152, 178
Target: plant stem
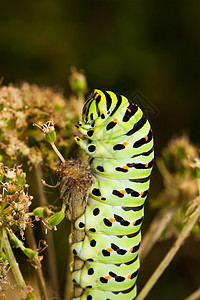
13, 263
57, 152
78, 235
51, 262
168, 258
156, 228
39, 274
194, 296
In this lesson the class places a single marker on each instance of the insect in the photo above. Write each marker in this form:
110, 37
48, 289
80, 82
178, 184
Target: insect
118, 138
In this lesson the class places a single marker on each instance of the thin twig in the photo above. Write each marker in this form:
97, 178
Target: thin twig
170, 255
51, 262
13, 263
156, 228
40, 276
194, 296
57, 152
163, 170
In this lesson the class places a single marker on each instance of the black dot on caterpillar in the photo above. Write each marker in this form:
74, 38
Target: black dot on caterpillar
91, 148
81, 225
96, 211
100, 168
93, 243
96, 192
90, 271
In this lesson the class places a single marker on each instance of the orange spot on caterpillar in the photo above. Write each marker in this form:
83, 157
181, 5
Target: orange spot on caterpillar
133, 223
125, 167
129, 276
101, 111
146, 137
129, 109
130, 250
110, 249
146, 165
141, 193
125, 144
122, 192
112, 220
115, 120
107, 277
132, 103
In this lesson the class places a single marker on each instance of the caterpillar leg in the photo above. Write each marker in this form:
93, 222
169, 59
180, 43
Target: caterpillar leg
88, 148
83, 249
81, 142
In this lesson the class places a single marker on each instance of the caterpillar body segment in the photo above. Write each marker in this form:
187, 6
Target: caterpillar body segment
118, 138
108, 219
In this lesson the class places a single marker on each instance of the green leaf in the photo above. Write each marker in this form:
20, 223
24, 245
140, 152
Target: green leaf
29, 253
56, 219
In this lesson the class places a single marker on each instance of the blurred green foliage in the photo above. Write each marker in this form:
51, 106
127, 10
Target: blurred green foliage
152, 46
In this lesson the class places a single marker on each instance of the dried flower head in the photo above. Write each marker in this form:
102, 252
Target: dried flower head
177, 154
14, 199
75, 181
177, 166
22, 106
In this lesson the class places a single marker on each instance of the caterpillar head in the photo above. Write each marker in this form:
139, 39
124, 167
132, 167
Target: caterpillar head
95, 107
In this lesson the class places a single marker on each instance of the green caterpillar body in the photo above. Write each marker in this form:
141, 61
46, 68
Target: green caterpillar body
118, 137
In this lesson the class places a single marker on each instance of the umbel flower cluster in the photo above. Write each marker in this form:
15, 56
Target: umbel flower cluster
14, 199
14, 218
22, 106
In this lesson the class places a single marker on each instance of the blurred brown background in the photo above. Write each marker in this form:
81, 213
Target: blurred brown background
151, 46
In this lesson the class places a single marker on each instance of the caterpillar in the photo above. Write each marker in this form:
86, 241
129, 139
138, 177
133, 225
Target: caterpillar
118, 138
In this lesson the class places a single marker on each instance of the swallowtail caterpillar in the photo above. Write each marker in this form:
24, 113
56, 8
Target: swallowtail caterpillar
118, 138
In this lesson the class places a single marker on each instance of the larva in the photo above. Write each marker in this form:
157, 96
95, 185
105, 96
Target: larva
118, 138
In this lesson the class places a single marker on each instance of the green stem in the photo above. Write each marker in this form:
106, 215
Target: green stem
13, 263
170, 255
64, 205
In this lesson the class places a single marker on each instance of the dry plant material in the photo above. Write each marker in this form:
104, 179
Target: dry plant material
75, 182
